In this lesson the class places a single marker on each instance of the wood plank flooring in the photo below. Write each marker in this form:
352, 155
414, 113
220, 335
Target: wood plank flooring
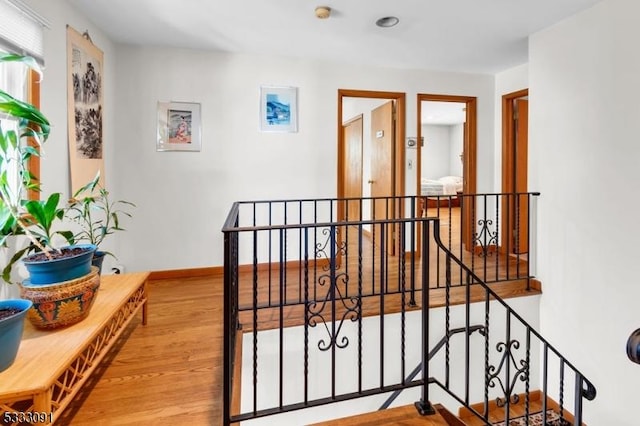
168, 372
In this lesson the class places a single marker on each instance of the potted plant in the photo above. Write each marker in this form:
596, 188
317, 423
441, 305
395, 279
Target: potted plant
36, 219
12, 314
47, 265
97, 215
30, 123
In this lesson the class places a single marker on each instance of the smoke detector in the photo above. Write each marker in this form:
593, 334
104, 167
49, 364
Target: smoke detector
323, 12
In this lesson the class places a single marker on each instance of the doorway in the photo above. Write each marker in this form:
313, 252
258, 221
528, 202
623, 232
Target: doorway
372, 166
515, 208
465, 153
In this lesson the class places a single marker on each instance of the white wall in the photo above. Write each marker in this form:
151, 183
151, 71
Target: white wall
183, 198
436, 151
584, 157
456, 146
508, 81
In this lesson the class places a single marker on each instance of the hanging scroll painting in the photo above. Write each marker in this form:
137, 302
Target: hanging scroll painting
85, 108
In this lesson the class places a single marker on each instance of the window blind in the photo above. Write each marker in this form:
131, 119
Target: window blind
21, 29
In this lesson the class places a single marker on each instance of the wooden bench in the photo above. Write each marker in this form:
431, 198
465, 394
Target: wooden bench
51, 366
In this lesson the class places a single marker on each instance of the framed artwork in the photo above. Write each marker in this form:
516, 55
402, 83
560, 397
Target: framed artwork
278, 109
178, 126
85, 81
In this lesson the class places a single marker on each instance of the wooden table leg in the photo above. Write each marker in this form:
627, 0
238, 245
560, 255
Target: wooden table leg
146, 301
42, 404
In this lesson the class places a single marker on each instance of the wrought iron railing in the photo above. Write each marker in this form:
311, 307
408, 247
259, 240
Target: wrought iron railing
331, 308
493, 234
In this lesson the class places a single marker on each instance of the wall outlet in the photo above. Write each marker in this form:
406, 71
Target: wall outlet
117, 269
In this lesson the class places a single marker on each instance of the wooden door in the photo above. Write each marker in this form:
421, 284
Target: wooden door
383, 169
515, 209
521, 211
352, 173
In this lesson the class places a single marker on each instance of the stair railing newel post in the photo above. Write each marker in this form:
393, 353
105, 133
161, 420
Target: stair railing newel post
424, 406
230, 306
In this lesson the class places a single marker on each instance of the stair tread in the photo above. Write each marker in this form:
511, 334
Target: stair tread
402, 416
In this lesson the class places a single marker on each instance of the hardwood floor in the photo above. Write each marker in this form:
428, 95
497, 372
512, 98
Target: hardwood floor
168, 372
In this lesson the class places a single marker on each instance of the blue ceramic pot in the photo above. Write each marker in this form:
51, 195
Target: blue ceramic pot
11, 330
68, 268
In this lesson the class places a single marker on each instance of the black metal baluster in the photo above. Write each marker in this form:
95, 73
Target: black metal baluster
333, 283
255, 318
507, 370
497, 256
528, 241
447, 321
412, 271
577, 411
528, 376
562, 387
374, 228
306, 317
518, 236
437, 251
473, 235
402, 276
281, 318
509, 234
283, 261
360, 240
467, 341
486, 243
487, 315
300, 250
383, 239
424, 405
464, 204
315, 244
270, 242
545, 380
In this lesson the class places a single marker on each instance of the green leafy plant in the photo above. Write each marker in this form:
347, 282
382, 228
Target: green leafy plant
97, 215
19, 216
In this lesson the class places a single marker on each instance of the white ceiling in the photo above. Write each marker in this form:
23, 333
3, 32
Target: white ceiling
479, 36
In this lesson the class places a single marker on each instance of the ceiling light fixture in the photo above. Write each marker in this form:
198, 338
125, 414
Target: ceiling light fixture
323, 12
387, 22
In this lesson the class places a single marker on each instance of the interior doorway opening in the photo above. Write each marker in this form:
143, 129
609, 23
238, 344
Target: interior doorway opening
458, 114
371, 134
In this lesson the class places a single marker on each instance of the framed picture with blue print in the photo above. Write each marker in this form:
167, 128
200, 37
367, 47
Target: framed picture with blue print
278, 109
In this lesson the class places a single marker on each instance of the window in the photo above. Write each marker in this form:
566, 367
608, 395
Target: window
21, 83
21, 32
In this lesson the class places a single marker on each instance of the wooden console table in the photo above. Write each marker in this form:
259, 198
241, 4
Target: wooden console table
51, 366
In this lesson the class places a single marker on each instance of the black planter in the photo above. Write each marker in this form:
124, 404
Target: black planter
98, 257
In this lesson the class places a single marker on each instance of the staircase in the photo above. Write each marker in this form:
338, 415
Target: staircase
406, 416
518, 412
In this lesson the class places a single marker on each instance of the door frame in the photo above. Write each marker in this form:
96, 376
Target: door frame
508, 166
400, 123
469, 158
